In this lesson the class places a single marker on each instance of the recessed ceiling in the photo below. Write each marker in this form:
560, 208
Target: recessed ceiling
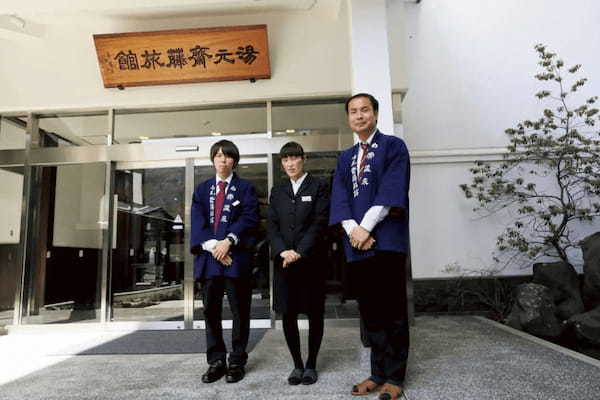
150, 8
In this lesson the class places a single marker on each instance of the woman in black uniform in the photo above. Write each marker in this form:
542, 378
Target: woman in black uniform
297, 221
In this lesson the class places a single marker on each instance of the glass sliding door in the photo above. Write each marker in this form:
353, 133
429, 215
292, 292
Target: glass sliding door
11, 179
12, 137
148, 261
62, 271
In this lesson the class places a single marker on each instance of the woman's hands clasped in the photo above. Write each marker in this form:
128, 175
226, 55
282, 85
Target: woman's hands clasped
289, 256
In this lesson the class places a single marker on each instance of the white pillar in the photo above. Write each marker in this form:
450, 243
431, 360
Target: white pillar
369, 55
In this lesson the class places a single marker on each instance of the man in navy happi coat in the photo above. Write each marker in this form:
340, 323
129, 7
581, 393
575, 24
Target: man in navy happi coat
370, 199
224, 217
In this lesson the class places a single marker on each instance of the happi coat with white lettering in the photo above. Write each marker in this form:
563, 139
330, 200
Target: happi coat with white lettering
238, 216
384, 182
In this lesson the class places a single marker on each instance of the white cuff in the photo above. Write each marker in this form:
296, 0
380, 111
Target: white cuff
348, 225
373, 216
209, 245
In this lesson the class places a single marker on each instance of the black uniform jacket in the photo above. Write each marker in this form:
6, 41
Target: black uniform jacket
298, 222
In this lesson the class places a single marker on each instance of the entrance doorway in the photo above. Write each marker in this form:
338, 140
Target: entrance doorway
113, 246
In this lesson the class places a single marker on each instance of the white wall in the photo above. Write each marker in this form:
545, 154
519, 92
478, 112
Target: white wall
470, 72
397, 41
309, 56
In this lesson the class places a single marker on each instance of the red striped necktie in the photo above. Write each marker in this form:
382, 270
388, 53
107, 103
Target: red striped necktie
363, 159
219, 204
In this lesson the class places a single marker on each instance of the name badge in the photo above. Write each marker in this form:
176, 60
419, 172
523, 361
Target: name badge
306, 198
235, 203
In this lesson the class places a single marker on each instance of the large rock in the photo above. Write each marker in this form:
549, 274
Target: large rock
563, 282
591, 270
587, 326
534, 311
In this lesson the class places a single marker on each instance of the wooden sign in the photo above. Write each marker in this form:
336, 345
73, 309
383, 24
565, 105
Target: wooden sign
183, 56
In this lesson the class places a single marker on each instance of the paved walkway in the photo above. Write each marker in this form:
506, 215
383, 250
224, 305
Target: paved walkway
451, 358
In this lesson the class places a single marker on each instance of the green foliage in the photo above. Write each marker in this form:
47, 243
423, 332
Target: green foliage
560, 149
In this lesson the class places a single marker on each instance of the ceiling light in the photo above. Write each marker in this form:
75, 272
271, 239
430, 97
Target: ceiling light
290, 131
216, 133
144, 138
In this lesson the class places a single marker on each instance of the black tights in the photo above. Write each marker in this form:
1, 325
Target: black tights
292, 337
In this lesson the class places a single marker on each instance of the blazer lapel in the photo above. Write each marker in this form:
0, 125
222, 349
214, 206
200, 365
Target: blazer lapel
305, 184
376, 136
288, 188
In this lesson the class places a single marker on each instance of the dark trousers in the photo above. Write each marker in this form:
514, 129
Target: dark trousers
381, 294
239, 295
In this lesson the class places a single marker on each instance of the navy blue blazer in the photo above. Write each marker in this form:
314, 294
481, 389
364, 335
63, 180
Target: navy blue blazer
239, 216
298, 221
385, 183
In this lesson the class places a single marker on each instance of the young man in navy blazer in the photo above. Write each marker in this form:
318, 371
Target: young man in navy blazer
224, 217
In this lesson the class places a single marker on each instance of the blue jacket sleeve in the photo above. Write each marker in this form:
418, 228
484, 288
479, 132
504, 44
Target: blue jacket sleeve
395, 179
201, 229
341, 191
248, 219
273, 227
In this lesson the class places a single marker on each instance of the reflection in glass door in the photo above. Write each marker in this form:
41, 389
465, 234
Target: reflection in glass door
148, 262
10, 222
255, 171
65, 244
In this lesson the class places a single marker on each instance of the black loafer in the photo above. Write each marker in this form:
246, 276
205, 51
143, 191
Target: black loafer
235, 373
215, 372
310, 376
295, 377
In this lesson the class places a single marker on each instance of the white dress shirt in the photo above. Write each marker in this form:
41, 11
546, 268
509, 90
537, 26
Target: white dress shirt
297, 183
210, 244
375, 214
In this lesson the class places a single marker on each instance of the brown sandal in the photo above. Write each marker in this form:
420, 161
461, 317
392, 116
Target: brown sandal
390, 392
365, 387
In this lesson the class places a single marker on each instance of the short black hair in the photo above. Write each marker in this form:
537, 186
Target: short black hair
372, 99
228, 148
291, 149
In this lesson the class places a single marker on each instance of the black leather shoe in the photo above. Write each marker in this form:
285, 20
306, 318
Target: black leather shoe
295, 377
235, 373
215, 372
310, 376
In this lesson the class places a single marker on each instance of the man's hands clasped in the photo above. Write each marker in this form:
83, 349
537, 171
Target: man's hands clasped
361, 239
221, 252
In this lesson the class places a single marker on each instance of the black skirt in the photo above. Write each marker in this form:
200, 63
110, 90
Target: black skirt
299, 288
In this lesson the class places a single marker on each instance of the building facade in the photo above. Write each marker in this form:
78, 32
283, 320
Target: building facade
96, 182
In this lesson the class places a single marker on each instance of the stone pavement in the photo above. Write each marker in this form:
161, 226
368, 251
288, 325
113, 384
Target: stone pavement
451, 358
